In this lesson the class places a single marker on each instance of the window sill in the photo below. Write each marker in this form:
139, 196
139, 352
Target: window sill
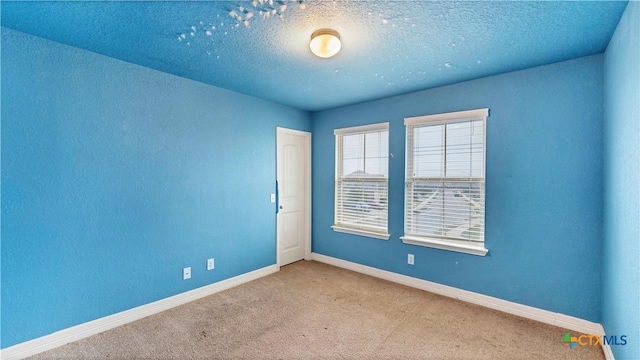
443, 244
361, 232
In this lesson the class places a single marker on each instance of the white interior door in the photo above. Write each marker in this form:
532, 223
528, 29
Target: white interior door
293, 221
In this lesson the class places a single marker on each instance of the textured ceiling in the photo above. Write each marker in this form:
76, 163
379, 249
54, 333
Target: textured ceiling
389, 47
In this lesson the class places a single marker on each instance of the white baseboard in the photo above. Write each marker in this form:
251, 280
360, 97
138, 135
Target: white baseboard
81, 331
62, 337
529, 312
606, 348
608, 353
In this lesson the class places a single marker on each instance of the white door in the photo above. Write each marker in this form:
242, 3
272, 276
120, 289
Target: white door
293, 228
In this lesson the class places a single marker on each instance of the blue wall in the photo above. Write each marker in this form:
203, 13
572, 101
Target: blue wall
621, 249
115, 177
543, 192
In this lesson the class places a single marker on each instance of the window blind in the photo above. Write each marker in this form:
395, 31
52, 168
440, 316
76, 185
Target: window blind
445, 185
362, 172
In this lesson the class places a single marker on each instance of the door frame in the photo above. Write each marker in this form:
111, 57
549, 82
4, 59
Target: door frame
307, 191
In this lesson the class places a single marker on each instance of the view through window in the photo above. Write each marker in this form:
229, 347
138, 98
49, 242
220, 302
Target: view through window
445, 187
362, 172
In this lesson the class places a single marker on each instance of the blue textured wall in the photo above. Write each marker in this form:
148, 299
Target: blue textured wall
621, 249
543, 192
115, 177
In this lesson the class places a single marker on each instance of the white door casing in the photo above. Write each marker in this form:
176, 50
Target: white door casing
293, 234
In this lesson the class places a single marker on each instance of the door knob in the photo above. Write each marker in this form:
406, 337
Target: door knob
280, 207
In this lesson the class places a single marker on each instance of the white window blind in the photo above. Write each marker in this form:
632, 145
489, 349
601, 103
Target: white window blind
445, 180
362, 173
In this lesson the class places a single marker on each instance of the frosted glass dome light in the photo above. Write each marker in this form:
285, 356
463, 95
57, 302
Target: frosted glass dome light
325, 43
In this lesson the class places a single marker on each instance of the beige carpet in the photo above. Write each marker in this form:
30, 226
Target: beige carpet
312, 310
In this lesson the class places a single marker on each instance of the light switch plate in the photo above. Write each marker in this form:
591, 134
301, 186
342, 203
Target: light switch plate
273, 198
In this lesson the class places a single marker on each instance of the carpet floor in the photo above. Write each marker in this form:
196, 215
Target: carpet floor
310, 310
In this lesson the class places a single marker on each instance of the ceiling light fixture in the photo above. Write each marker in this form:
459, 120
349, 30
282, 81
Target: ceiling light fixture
325, 43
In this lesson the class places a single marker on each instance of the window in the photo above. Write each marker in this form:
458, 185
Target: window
445, 181
362, 178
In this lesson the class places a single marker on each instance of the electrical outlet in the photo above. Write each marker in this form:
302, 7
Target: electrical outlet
410, 259
186, 273
210, 264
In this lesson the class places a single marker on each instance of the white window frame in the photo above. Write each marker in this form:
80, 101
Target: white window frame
347, 228
443, 243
